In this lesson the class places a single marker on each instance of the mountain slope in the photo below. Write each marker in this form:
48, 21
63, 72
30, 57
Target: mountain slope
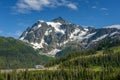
16, 54
54, 36
105, 54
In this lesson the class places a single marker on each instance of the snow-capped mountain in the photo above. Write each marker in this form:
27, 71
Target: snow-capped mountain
53, 36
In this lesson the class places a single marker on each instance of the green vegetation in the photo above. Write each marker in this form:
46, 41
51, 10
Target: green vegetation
97, 63
16, 54
106, 44
105, 49
66, 51
69, 74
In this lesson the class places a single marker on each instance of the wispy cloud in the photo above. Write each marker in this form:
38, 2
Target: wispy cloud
94, 7
106, 14
72, 6
104, 9
1, 31
14, 34
113, 26
21, 24
24, 6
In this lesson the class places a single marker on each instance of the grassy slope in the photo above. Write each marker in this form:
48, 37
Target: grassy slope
16, 54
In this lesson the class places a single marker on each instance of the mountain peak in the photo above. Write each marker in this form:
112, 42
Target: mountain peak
51, 37
61, 20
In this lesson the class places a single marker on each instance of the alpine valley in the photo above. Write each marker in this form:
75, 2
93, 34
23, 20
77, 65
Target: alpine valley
60, 50
52, 37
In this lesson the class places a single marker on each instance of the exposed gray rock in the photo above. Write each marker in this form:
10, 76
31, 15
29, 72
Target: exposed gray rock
51, 37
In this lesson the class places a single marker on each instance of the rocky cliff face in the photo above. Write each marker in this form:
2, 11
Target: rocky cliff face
51, 37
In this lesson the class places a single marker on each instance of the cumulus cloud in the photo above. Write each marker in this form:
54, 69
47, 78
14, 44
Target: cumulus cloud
24, 6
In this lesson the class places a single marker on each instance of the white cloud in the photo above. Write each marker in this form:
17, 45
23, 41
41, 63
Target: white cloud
113, 26
23, 6
72, 6
104, 9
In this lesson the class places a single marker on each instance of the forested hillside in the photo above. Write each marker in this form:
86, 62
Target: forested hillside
17, 54
101, 62
103, 49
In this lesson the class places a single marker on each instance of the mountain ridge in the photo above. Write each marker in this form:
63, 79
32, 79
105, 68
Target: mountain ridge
57, 34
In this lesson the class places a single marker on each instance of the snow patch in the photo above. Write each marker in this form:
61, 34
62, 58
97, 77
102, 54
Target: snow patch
48, 31
39, 26
63, 43
76, 31
53, 52
56, 26
23, 37
89, 35
100, 38
41, 21
39, 45
86, 29
78, 34
36, 45
114, 33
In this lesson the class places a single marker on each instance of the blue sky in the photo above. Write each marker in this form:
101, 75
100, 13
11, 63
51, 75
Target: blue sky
17, 15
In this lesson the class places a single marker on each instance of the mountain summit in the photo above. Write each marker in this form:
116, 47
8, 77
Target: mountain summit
52, 37
60, 20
